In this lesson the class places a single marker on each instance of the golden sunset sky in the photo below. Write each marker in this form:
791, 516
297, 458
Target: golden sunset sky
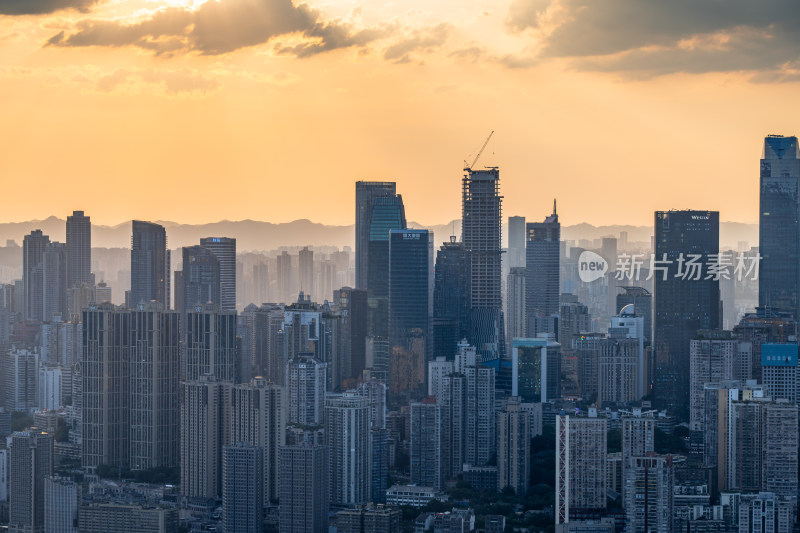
197, 111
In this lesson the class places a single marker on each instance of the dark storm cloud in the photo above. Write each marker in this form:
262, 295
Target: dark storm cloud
43, 7
220, 27
663, 36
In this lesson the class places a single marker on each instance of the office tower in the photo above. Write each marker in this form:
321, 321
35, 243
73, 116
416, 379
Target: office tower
306, 260
242, 486
375, 391
515, 304
451, 299
763, 512
714, 356
30, 461
779, 370
536, 370
224, 249
642, 302
258, 416
513, 448
649, 486
205, 418
516, 242
778, 230
150, 265
366, 192
305, 381
79, 249
352, 306
304, 488
122, 518
212, 344
410, 307
60, 505
54, 281
480, 437
379, 464
685, 301
130, 370
20, 371
33, 249
347, 438
426, 454
542, 281
481, 229
200, 280
638, 440
580, 463
388, 213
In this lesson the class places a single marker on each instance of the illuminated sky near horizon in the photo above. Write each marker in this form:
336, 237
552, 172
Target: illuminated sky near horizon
197, 111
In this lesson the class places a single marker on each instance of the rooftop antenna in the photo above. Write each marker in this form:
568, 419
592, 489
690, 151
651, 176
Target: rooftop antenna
554, 206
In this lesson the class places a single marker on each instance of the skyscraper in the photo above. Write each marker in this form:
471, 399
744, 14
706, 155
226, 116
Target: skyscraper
513, 448
542, 282
285, 277
388, 213
515, 304
410, 307
200, 279
686, 242
305, 381
347, 437
649, 483
150, 265
779, 225
242, 485
366, 192
258, 416
516, 242
224, 249
580, 463
426, 454
79, 249
306, 263
33, 249
30, 461
60, 505
451, 299
304, 488
481, 234
352, 306
211, 344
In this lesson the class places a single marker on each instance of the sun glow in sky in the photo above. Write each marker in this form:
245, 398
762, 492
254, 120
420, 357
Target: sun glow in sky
266, 109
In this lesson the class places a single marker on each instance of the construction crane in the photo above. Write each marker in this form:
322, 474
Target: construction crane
468, 166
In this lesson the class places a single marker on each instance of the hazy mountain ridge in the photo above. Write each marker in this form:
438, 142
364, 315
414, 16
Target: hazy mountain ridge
257, 235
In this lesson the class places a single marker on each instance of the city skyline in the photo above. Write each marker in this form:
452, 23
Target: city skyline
647, 107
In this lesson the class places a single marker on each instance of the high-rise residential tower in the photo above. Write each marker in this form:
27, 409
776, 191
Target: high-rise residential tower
242, 499
224, 249
481, 234
304, 488
542, 266
686, 298
150, 265
366, 192
30, 461
779, 225
33, 250
347, 437
79, 249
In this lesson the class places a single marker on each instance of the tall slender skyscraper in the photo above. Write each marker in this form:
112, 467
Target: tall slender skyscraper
347, 436
242, 499
410, 306
451, 299
30, 460
150, 267
304, 488
542, 284
366, 192
426, 454
79, 249
779, 225
481, 234
54, 281
516, 242
686, 298
306, 264
211, 344
33, 249
224, 248
200, 279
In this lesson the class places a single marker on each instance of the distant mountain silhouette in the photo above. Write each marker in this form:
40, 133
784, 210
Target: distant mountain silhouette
253, 235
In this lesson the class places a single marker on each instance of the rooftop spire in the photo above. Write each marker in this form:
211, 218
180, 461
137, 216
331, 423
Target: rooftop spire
554, 206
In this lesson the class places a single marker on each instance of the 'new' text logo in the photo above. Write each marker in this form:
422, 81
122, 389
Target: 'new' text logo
591, 266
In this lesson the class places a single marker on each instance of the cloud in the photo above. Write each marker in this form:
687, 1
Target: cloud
423, 40
220, 27
653, 37
43, 7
